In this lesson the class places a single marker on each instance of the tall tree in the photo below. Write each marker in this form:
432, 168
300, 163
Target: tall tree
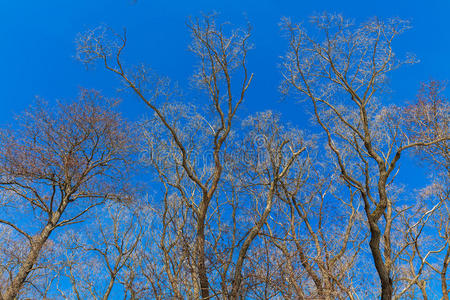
343, 69
56, 164
194, 160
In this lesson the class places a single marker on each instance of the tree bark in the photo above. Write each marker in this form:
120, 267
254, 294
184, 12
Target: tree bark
200, 249
386, 282
32, 257
443, 275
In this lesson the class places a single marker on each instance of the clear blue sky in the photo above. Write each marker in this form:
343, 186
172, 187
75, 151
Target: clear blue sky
37, 37
37, 48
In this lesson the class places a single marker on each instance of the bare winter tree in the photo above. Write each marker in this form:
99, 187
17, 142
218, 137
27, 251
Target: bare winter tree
202, 199
56, 164
222, 61
342, 69
101, 259
239, 207
317, 232
428, 118
272, 153
246, 195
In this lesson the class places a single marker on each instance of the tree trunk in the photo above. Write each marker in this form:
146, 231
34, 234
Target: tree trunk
32, 257
200, 249
443, 275
237, 280
108, 290
386, 282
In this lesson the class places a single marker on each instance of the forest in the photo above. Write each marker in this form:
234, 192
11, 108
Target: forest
202, 199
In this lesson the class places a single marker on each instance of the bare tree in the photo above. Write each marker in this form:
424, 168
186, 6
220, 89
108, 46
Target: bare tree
319, 234
56, 165
272, 153
253, 169
239, 207
103, 254
221, 56
428, 118
202, 199
343, 70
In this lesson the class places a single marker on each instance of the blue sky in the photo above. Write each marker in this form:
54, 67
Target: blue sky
37, 52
